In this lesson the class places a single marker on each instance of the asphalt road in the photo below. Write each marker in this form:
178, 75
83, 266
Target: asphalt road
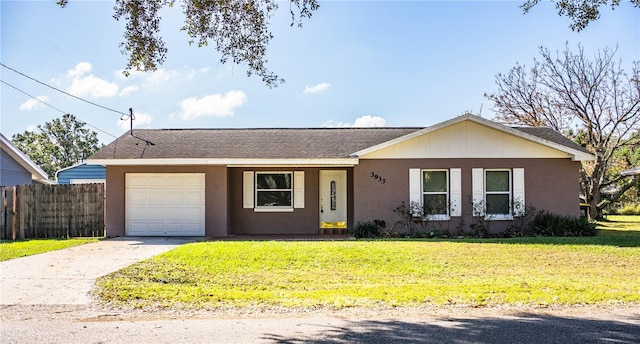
46, 298
62, 324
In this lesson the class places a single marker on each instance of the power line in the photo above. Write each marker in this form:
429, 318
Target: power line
53, 107
36, 98
61, 91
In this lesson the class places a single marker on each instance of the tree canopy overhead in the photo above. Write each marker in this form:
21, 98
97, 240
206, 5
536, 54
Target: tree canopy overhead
239, 29
581, 12
60, 143
592, 99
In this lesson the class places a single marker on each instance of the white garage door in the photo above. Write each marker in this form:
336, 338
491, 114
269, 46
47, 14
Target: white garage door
164, 204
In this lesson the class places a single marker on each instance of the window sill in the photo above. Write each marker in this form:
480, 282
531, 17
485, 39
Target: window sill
273, 210
504, 217
436, 218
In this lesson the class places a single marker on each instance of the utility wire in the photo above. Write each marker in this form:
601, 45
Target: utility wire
61, 91
53, 107
36, 98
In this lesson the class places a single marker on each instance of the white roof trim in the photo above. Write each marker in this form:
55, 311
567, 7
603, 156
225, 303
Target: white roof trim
576, 155
228, 162
37, 173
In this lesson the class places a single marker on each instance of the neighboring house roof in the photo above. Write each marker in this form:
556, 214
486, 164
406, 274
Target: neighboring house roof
37, 174
290, 146
632, 172
80, 171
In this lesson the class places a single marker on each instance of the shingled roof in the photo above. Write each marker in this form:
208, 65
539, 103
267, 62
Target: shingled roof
553, 136
289, 143
304, 143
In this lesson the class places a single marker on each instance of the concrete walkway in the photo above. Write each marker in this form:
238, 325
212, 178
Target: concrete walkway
66, 277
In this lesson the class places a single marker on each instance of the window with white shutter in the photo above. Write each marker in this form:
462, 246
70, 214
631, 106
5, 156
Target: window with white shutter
273, 191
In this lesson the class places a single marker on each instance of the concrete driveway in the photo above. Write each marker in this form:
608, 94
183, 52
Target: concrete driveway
66, 277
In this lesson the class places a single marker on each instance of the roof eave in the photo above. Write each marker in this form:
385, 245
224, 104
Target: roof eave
230, 162
36, 172
575, 154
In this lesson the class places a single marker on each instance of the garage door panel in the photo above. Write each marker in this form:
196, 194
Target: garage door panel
193, 181
196, 196
193, 212
157, 195
159, 180
165, 204
137, 198
136, 180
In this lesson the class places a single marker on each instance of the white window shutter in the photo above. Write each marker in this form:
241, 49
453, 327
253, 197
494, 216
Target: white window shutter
477, 186
247, 189
415, 190
518, 191
455, 192
298, 189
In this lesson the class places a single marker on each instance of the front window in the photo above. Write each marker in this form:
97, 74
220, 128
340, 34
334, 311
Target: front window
498, 192
435, 192
274, 190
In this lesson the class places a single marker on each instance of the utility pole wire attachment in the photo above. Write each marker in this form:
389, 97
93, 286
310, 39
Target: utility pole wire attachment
131, 118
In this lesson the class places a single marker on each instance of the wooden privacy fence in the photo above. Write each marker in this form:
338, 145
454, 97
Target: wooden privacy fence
52, 211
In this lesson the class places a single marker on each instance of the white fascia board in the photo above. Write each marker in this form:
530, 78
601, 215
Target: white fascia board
343, 162
575, 154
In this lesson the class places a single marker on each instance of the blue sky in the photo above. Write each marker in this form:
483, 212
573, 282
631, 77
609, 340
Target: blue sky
365, 63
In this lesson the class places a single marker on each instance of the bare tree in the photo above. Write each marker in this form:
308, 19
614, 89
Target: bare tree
568, 90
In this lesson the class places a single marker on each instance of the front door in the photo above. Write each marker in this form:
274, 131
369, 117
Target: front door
333, 199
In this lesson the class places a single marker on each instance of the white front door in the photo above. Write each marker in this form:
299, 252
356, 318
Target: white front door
333, 199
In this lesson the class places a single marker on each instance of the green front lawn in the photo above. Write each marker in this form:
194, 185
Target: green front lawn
22, 248
534, 271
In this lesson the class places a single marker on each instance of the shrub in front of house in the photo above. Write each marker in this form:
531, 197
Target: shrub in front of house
549, 224
369, 229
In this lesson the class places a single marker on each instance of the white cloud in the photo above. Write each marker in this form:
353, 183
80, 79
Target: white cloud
128, 90
80, 69
141, 120
321, 87
369, 121
33, 104
215, 105
360, 122
88, 85
93, 87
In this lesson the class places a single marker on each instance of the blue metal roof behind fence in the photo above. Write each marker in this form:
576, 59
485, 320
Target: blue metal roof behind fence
81, 171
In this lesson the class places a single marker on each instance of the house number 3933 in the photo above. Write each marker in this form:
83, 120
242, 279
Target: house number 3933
378, 178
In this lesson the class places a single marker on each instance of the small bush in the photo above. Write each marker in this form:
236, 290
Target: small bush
370, 229
548, 224
628, 209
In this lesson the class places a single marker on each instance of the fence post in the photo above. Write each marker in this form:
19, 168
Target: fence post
3, 216
12, 212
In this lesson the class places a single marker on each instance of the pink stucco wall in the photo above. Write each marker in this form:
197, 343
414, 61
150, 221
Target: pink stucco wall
301, 220
550, 184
